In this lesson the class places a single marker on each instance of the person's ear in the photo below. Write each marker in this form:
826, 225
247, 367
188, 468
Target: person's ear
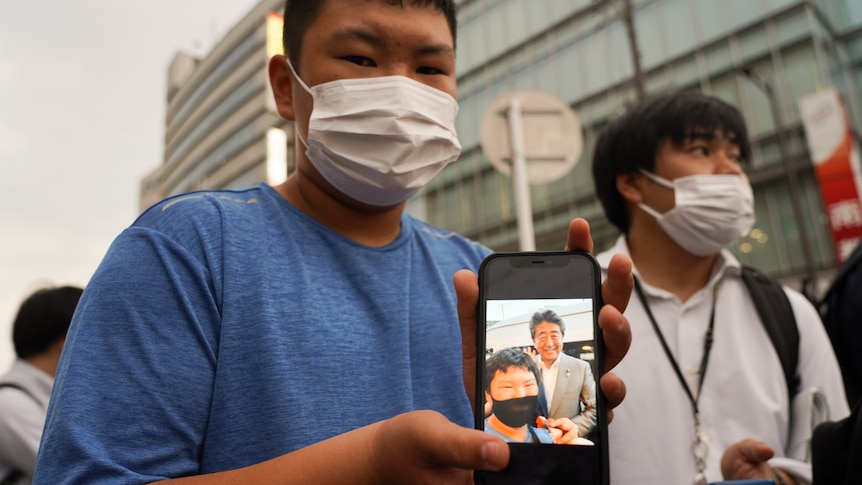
629, 185
59, 344
281, 80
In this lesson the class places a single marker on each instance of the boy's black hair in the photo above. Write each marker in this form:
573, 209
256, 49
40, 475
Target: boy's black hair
43, 319
506, 358
631, 142
300, 14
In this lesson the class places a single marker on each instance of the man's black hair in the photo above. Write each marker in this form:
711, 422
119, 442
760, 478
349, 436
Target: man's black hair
631, 142
43, 319
300, 14
549, 316
505, 359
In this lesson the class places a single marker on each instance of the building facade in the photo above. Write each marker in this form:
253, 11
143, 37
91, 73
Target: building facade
579, 51
221, 130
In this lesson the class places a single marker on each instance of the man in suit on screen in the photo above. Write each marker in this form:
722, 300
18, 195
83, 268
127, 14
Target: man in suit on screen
569, 387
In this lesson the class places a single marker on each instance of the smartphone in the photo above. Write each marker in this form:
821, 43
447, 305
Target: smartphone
539, 359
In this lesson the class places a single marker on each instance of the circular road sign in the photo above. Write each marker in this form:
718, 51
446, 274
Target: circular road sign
551, 135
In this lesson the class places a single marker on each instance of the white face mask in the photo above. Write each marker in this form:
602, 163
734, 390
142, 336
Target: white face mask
711, 212
379, 140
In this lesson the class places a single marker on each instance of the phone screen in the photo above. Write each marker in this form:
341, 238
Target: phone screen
540, 358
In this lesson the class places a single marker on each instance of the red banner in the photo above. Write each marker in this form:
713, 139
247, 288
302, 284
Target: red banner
835, 155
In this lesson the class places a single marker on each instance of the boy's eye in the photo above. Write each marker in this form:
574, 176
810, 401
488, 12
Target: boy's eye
428, 70
360, 61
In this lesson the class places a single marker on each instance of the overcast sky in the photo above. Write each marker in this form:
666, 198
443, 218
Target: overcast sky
82, 102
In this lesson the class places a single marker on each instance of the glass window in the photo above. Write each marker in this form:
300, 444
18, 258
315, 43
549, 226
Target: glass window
593, 63
800, 76
712, 20
491, 203
840, 13
522, 80
744, 12
468, 122
725, 87
515, 28
450, 211
560, 191
790, 28
785, 227
540, 196
221, 71
853, 10
582, 174
753, 44
236, 99
819, 232
477, 201
759, 114
569, 68
650, 35
544, 74
535, 15
494, 26
471, 46
684, 74
677, 27
505, 198
561, 9
718, 58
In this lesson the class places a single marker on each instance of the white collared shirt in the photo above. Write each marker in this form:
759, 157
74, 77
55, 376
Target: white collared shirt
22, 418
549, 377
744, 393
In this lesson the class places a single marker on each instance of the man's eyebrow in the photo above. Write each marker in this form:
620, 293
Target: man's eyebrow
354, 34
437, 49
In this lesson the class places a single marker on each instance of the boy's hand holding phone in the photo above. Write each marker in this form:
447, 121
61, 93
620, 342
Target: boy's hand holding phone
550, 302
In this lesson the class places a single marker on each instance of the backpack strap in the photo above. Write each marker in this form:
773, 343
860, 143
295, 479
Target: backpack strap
775, 312
12, 477
20, 388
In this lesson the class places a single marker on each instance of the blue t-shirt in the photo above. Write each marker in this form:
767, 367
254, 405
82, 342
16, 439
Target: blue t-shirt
226, 328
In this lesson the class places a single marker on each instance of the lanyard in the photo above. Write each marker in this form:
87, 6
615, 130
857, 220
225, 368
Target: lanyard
699, 446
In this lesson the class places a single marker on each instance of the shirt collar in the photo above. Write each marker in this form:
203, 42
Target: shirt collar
726, 264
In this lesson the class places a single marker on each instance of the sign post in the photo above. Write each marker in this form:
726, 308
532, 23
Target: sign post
535, 138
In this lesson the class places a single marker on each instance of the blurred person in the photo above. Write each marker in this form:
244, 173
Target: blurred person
38, 334
569, 388
702, 373
840, 308
224, 337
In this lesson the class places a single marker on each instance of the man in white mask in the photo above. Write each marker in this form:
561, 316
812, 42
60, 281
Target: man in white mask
706, 398
309, 332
